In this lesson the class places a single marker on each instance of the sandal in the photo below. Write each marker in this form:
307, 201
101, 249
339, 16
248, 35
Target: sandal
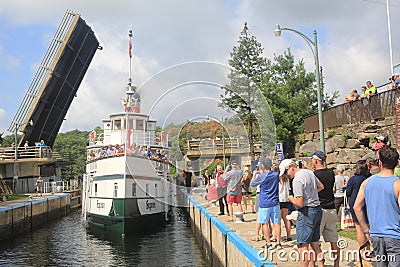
256, 239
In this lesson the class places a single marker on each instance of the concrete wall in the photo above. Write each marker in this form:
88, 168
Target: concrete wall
30, 215
220, 244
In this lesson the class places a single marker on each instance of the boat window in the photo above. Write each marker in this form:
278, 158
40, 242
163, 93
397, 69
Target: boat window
147, 189
134, 189
95, 189
117, 124
115, 190
155, 190
139, 125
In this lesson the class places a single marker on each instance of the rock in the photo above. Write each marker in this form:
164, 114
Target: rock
337, 141
371, 127
339, 131
308, 148
350, 155
331, 158
353, 143
363, 136
309, 137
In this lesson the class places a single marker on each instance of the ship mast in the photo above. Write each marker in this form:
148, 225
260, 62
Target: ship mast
132, 102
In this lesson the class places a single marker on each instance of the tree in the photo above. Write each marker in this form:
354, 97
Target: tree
291, 95
72, 145
248, 69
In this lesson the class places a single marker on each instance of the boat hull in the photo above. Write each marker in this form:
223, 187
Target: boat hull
121, 202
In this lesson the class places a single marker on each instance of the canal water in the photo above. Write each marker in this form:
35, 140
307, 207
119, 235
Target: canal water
68, 242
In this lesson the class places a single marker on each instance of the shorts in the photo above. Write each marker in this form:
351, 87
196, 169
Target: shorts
273, 213
328, 225
308, 225
230, 199
284, 205
387, 251
257, 204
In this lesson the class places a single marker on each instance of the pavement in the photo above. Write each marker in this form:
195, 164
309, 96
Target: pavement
288, 255
4, 204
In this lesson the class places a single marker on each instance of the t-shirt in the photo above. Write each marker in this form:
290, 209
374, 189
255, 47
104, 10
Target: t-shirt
305, 185
397, 83
284, 192
234, 178
339, 192
371, 90
269, 188
326, 197
221, 183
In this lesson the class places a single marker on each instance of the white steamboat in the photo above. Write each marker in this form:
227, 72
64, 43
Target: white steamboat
124, 186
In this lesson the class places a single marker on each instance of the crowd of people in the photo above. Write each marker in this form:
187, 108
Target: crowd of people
309, 197
134, 150
369, 89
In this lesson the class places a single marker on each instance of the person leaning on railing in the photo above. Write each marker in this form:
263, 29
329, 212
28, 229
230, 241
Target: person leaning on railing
353, 96
395, 82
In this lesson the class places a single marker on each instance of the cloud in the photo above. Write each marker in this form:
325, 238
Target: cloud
352, 38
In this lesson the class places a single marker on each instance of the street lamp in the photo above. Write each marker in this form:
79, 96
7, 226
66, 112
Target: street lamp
223, 141
222, 137
17, 126
314, 48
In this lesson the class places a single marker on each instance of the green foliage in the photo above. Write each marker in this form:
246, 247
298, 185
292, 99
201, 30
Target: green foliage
9, 139
331, 133
289, 90
345, 136
13, 197
248, 69
72, 145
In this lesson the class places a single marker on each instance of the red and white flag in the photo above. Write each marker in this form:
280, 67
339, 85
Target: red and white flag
130, 49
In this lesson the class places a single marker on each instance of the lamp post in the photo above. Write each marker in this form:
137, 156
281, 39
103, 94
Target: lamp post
314, 48
17, 126
222, 136
223, 141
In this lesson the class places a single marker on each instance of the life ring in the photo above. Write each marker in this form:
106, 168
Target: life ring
92, 136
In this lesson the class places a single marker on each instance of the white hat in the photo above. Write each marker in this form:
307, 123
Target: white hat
284, 165
380, 138
341, 167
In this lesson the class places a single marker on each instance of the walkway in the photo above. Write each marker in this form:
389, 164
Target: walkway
287, 256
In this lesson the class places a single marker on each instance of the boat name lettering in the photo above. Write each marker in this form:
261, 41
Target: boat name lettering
100, 205
150, 205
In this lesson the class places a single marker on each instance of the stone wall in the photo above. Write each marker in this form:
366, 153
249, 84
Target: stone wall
347, 144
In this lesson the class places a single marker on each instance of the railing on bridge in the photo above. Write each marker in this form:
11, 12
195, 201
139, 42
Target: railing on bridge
365, 110
8, 153
212, 144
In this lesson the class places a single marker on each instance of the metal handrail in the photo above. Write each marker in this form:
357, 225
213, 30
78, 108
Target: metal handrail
8, 153
376, 107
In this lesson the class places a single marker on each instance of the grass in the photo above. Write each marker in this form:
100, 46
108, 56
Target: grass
13, 197
351, 234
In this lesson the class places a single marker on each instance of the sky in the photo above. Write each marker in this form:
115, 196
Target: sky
181, 50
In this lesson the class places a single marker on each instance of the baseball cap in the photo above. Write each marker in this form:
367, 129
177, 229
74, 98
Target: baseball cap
284, 165
266, 162
318, 155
